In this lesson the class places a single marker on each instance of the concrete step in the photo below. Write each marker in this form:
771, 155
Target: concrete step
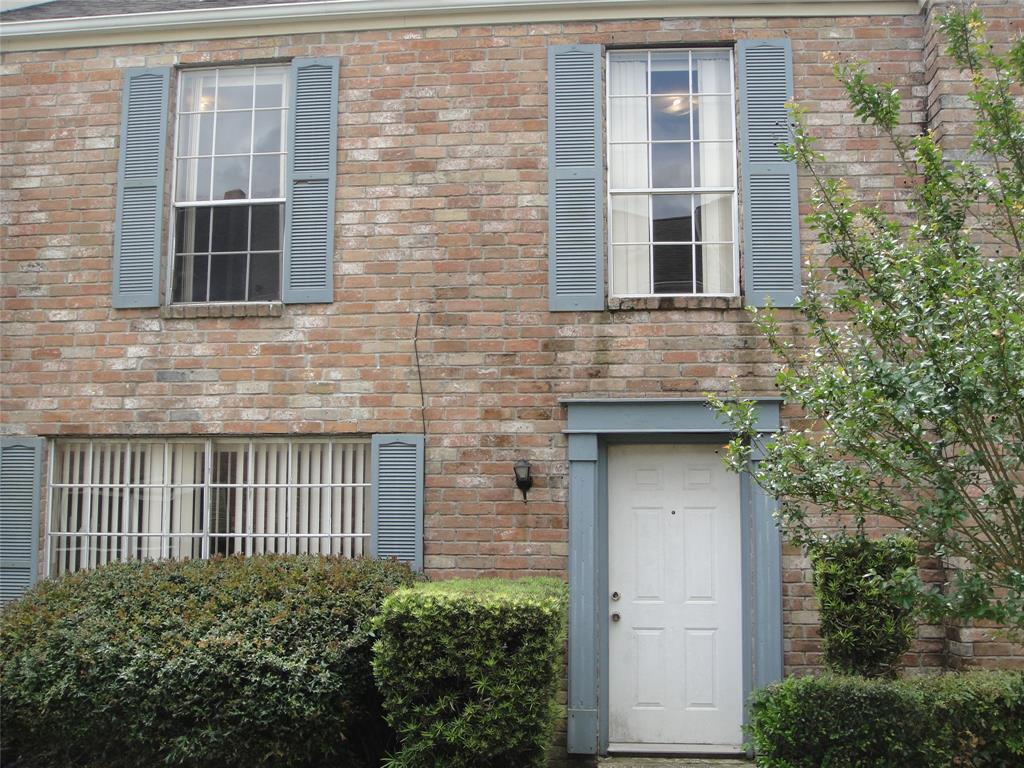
673, 762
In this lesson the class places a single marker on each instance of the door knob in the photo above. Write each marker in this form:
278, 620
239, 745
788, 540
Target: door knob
616, 616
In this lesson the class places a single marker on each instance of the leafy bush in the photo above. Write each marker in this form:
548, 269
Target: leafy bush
469, 671
864, 627
225, 662
972, 719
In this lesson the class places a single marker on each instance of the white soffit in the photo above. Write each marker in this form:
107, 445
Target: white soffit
351, 15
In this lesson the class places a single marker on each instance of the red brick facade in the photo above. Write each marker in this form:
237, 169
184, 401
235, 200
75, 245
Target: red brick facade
441, 238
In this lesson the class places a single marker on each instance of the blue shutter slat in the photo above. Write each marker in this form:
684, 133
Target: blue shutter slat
138, 230
312, 168
20, 480
771, 209
575, 179
397, 498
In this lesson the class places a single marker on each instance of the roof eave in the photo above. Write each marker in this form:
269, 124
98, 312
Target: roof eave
340, 15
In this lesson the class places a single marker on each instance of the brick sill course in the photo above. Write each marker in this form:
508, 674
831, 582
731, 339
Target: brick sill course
676, 302
226, 309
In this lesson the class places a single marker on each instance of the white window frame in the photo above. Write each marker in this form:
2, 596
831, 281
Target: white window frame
651, 191
244, 539
175, 205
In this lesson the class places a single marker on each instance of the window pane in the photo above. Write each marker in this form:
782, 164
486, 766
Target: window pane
715, 163
192, 230
190, 273
187, 463
234, 88
264, 276
268, 131
234, 133
670, 72
227, 510
671, 165
230, 462
628, 166
193, 182
195, 134
716, 265
628, 120
714, 218
673, 218
185, 547
631, 269
231, 178
673, 269
146, 463
230, 228
630, 219
270, 86
267, 171
627, 74
712, 118
712, 72
670, 118
266, 227
227, 277
197, 91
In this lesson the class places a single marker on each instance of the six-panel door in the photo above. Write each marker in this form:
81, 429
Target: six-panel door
674, 603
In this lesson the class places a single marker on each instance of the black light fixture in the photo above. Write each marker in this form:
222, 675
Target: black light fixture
523, 480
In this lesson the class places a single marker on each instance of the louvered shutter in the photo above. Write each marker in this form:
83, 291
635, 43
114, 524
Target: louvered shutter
20, 480
397, 498
138, 231
771, 213
312, 169
575, 179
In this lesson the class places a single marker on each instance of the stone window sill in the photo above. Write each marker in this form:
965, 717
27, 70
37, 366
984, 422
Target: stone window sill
226, 309
675, 302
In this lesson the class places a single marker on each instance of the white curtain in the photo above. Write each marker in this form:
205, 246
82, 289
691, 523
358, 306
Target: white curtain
629, 169
716, 161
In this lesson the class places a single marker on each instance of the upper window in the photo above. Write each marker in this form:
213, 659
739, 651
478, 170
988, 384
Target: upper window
229, 184
672, 173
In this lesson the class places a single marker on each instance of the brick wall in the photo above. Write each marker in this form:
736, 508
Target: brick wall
441, 234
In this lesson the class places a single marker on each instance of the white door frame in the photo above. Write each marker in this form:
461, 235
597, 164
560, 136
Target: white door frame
592, 425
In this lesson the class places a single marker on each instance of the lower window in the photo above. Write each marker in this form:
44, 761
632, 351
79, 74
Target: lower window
116, 500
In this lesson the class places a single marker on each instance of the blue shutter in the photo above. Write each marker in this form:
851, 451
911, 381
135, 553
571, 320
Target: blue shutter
138, 230
20, 481
312, 171
575, 179
771, 211
397, 498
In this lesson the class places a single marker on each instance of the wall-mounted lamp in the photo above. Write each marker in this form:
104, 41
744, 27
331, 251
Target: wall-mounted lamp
524, 481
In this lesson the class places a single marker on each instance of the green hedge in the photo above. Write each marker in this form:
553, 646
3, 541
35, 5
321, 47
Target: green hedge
966, 720
225, 662
864, 627
469, 671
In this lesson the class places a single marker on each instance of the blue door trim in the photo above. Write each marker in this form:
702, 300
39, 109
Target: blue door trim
592, 426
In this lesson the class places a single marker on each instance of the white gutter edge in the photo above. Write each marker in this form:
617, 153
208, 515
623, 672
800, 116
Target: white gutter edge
328, 11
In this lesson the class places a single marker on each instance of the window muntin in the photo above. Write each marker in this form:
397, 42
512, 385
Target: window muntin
672, 173
229, 181
116, 500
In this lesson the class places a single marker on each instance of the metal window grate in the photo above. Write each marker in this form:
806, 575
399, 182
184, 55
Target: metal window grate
117, 500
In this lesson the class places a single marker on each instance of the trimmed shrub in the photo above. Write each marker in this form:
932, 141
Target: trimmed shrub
469, 671
952, 720
263, 661
864, 627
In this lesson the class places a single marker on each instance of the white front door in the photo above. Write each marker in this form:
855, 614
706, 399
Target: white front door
675, 650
